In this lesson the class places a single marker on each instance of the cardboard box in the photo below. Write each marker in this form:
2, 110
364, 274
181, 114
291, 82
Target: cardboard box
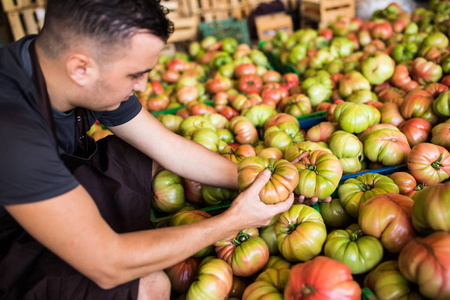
268, 25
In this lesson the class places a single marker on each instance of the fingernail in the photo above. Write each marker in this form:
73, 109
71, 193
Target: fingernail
266, 172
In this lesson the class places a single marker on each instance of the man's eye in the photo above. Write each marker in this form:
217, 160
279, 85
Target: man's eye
136, 76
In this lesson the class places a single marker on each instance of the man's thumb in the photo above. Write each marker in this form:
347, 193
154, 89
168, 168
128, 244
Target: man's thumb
261, 180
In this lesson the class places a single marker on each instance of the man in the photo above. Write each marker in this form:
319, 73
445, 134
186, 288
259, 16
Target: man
85, 65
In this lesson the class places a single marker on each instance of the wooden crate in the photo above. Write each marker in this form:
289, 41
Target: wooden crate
26, 21
15, 5
211, 10
268, 25
325, 11
185, 25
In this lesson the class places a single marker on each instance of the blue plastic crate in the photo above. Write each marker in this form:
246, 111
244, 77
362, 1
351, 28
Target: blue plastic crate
226, 28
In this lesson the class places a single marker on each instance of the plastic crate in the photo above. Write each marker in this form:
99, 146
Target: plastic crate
226, 28
367, 294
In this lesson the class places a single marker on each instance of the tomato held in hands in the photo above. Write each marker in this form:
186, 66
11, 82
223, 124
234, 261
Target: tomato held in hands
282, 183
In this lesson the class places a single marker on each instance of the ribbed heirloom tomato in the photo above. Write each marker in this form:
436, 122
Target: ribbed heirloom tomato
283, 181
429, 163
322, 278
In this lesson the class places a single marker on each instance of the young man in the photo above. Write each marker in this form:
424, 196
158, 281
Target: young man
74, 215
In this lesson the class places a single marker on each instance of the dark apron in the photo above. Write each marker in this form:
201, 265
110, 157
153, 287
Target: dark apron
118, 178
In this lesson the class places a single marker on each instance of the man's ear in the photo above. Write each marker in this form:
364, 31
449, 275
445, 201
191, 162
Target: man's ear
82, 69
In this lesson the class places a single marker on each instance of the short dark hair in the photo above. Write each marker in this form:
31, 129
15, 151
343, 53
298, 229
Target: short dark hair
108, 22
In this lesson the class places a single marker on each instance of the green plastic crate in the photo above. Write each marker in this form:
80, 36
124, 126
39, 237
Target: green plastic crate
226, 28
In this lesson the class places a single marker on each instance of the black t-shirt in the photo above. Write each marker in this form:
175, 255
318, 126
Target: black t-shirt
30, 167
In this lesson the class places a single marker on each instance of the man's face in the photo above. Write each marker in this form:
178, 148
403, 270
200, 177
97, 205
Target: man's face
127, 73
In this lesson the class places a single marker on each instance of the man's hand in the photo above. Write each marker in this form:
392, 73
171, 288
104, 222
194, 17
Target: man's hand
249, 208
302, 199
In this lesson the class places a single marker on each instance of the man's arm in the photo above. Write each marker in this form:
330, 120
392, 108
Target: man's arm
71, 226
176, 153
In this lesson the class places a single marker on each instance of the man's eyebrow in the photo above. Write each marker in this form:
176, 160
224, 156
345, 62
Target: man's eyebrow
142, 72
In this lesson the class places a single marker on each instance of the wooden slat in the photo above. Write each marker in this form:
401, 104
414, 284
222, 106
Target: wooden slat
26, 21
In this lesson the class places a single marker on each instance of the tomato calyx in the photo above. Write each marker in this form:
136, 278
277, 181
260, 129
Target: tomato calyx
420, 186
364, 187
305, 290
291, 227
311, 167
240, 238
271, 167
437, 164
354, 236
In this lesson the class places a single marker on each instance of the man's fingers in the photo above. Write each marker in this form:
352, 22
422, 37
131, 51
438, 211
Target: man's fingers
300, 157
260, 181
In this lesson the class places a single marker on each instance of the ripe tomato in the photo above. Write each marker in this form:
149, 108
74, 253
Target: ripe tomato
429, 163
321, 278
281, 184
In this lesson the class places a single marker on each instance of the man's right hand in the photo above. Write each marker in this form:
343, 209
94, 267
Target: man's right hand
252, 211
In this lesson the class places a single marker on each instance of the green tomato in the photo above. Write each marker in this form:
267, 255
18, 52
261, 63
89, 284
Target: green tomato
334, 214
359, 252
355, 191
441, 105
355, 118
168, 192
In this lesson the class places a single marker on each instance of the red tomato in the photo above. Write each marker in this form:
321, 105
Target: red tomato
429, 163
405, 182
249, 82
237, 154
426, 262
321, 278
183, 274
416, 130
244, 251
388, 218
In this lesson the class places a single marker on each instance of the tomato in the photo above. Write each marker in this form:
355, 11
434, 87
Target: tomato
363, 135
214, 196
238, 153
168, 193
249, 83
294, 151
283, 136
431, 210
244, 251
429, 163
244, 130
321, 278
419, 104
440, 135
171, 122
441, 105
279, 118
282, 183
359, 252
355, 191
192, 123
416, 130
356, 118
319, 175
228, 112
192, 191
237, 288
321, 132
388, 218
352, 81
405, 182
206, 137
271, 152
183, 274
426, 262
267, 233
386, 282
295, 105
258, 114
277, 262
425, 71
387, 146
334, 214
268, 284
245, 69
390, 114
214, 280
301, 233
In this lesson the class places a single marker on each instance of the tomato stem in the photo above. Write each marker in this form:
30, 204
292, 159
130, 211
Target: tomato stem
305, 290
437, 164
240, 238
356, 235
311, 167
364, 187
